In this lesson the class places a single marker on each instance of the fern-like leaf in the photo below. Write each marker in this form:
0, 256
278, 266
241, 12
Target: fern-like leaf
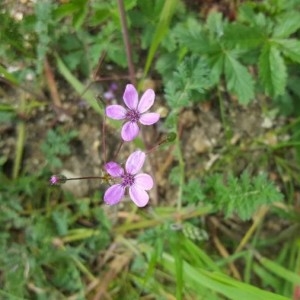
188, 82
241, 196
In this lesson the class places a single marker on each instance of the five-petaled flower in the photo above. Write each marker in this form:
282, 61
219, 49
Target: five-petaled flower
134, 112
137, 184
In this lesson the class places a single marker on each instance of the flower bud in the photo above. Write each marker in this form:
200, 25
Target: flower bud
57, 179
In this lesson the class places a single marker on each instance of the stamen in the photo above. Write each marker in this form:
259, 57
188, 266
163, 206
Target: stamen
133, 115
128, 180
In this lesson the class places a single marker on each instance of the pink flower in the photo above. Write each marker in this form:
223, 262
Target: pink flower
54, 179
134, 113
137, 184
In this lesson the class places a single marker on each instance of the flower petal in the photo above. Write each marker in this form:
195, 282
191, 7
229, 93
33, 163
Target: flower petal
116, 112
144, 181
149, 118
135, 162
114, 194
146, 101
138, 196
131, 97
130, 130
114, 169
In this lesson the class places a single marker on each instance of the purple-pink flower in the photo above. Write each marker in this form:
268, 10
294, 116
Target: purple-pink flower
57, 179
54, 179
137, 184
134, 112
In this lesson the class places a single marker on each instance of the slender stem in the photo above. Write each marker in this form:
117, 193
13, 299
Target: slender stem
126, 41
52, 84
103, 138
20, 144
181, 170
157, 145
88, 177
118, 150
103, 129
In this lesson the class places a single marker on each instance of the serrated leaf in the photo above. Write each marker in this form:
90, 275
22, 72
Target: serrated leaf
239, 80
246, 13
216, 69
290, 48
287, 24
272, 70
190, 35
215, 24
238, 35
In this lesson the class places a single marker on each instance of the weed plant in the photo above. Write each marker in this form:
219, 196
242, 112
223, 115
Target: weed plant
212, 233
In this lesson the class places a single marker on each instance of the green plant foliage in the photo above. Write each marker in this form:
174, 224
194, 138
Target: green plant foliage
241, 196
161, 30
55, 145
192, 192
11, 36
231, 47
239, 81
189, 81
43, 11
56, 246
272, 70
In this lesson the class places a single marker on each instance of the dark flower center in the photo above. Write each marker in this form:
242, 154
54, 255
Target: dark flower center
128, 180
133, 115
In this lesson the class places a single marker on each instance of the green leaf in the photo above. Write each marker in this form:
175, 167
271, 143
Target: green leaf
197, 278
215, 24
287, 24
192, 192
243, 195
290, 48
272, 70
8, 76
77, 85
239, 81
280, 271
161, 30
187, 83
238, 35
191, 35
249, 15
246, 13
216, 69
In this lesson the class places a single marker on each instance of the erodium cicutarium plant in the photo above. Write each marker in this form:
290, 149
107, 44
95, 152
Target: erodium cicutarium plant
128, 180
